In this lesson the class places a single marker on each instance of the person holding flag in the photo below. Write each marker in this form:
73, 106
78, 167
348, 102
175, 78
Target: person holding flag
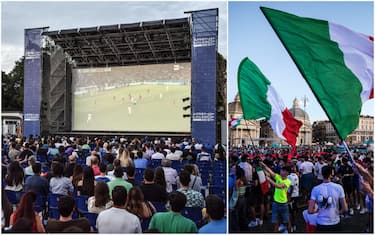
280, 204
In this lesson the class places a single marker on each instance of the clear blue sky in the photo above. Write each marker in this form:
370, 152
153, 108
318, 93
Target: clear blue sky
251, 36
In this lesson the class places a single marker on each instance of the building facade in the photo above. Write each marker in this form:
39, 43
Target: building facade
324, 132
248, 132
261, 132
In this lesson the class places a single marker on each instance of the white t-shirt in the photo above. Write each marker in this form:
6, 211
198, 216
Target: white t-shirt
248, 169
327, 196
170, 177
157, 155
294, 181
318, 170
116, 220
306, 167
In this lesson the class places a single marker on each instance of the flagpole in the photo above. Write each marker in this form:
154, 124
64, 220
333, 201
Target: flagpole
247, 127
351, 158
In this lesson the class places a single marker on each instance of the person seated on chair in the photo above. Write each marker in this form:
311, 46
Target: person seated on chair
37, 183
215, 213
66, 206
173, 221
117, 219
103, 174
193, 198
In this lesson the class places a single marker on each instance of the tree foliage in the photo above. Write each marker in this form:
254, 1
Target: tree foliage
221, 86
12, 87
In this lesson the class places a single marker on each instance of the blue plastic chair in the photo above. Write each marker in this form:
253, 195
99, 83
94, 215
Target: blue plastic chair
155, 163
218, 190
82, 203
92, 219
159, 206
145, 223
218, 180
53, 199
139, 174
193, 213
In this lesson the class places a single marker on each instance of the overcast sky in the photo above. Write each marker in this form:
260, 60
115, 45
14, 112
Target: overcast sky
16, 16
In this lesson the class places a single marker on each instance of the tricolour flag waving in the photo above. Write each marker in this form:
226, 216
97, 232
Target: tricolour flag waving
336, 62
260, 100
234, 122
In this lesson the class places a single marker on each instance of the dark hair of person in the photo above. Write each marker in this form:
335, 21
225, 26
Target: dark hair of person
102, 167
66, 205
139, 154
101, 194
240, 174
215, 207
159, 177
26, 207
135, 202
22, 225
15, 174
119, 196
88, 184
116, 162
58, 169
119, 172
189, 168
148, 174
37, 168
6, 207
130, 171
177, 200
184, 177
327, 171
77, 174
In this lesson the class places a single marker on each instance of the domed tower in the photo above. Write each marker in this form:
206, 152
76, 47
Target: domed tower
305, 132
241, 134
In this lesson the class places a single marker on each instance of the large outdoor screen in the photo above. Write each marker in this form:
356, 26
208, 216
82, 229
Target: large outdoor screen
145, 98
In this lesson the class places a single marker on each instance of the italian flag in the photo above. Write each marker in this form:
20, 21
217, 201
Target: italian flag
234, 122
264, 185
260, 100
336, 62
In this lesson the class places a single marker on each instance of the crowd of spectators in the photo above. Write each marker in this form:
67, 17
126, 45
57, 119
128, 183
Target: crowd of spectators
320, 184
112, 185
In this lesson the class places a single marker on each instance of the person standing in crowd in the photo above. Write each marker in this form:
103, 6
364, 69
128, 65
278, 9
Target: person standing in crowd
294, 195
329, 197
173, 221
248, 169
117, 219
307, 177
346, 173
215, 212
318, 169
66, 206
280, 197
31, 161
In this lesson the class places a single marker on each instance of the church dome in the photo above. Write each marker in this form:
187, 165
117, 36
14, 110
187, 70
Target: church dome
297, 112
237, 98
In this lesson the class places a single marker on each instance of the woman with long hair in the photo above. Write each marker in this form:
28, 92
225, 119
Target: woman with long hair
15, 177
137, 205
124, 157
159, 177
101, 199
77, 174
87, 183
26, 210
